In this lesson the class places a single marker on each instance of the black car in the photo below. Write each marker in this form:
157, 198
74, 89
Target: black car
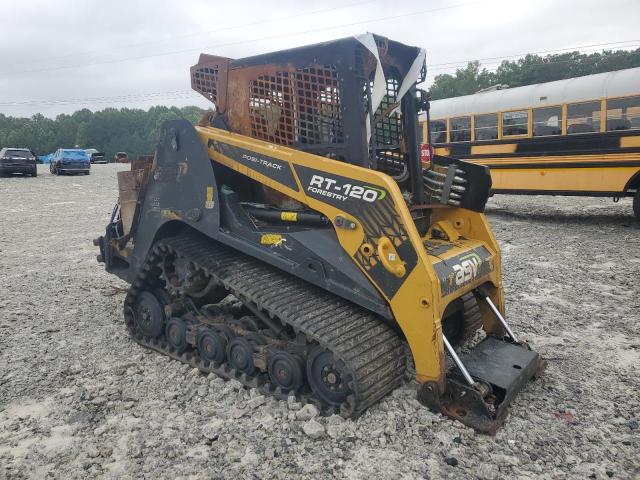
96, 156
18, 160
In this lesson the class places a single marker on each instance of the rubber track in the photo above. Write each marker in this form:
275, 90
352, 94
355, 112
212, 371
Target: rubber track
369, 351
472, 317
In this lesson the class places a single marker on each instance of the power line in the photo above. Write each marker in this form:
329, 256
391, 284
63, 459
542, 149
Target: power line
241, 42
144, 96
202, 32
191, 92
178, 94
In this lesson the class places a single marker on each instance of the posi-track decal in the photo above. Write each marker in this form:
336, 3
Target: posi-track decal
456, 272
274, 168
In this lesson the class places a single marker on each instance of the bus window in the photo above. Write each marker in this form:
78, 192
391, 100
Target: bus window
460, 129
438, 130
583, 117
515, 123
623, 113
486, 126
547, 121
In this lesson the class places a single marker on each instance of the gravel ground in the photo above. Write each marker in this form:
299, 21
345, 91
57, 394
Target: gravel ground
79, 399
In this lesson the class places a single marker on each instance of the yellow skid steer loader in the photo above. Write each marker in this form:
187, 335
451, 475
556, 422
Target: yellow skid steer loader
295, 241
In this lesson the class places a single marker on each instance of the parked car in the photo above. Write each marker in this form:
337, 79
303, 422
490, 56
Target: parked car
121, 157
70, 160
18, 160
95, 156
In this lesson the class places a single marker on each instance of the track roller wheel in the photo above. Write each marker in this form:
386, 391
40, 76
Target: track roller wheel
327, 377
212, 345
240, 354
149, 315
176, 334
286, 371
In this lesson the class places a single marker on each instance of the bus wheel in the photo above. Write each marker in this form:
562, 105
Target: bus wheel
636, 204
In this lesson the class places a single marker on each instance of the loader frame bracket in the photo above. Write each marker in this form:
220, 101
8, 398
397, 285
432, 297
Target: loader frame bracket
503, 366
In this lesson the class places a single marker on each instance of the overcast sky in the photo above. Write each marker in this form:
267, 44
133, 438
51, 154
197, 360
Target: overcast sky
63, 55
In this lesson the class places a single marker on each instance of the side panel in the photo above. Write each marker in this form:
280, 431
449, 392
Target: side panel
178, 161
605, 179
473, 225
365, 207
375, 209
182, 190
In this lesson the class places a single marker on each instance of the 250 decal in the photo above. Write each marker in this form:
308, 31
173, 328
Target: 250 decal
467, 269
331, 188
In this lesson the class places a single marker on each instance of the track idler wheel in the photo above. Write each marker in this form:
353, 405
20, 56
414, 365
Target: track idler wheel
286, 371
212, 345
327, 377
240, 354
149, 315
176, 334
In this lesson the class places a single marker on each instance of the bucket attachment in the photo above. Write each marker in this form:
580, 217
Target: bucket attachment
499, 369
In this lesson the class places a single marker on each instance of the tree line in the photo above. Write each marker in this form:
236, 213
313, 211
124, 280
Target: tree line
136, 131
111, 130
531, 69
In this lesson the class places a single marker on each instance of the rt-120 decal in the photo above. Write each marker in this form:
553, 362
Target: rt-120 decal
342, 192
330, 187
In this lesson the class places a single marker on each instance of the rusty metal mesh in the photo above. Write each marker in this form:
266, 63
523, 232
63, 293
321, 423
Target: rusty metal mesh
205, 81
297, 107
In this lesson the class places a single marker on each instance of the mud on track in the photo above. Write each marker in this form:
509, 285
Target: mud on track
79, 399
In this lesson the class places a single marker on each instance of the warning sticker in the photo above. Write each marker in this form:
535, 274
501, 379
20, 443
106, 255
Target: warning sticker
209, 203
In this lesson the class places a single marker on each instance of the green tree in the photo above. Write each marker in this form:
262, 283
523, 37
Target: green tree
532, 69
111, 130
465, 81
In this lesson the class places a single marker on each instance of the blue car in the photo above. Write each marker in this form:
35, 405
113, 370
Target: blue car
70, 160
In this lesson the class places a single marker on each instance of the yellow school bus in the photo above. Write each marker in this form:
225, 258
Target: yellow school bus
579, 136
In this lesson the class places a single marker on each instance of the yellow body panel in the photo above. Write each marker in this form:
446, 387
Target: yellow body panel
555, 159
495, 148
541, 173
630, 142
563, 179
418, 304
